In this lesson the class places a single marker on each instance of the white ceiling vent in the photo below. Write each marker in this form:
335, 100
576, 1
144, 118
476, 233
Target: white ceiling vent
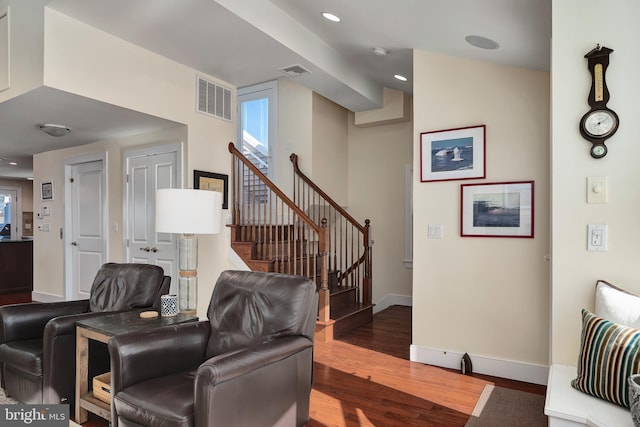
213, 99
296, 70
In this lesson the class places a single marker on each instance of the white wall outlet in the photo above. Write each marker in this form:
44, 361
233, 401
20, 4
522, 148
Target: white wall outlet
597, 189
597, 237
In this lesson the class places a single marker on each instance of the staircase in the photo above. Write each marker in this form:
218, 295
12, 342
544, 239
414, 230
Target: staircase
309, 235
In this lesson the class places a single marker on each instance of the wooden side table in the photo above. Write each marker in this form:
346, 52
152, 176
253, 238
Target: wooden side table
101, 328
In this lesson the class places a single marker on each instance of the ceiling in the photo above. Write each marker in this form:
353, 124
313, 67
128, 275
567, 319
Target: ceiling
248, 41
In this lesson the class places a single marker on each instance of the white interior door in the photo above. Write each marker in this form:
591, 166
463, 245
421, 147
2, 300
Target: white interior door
146, 174
88, 239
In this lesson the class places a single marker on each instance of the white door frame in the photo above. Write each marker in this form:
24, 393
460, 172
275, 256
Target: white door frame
68, 218
162, 148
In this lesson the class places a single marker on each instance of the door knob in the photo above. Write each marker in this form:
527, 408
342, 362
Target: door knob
154, 249
74, 243
147, 249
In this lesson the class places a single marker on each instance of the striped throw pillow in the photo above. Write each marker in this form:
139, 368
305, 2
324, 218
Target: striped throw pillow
609, 353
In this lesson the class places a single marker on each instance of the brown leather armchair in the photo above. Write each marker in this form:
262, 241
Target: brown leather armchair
38, 340
249, 364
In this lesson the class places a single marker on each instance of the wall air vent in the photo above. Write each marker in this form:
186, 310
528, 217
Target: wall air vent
294, 71
213, 99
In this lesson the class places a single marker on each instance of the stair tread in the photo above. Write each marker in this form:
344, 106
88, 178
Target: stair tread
349, 309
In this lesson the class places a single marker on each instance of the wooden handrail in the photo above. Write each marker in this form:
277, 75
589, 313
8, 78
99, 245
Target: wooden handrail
290, 243
349, 242
294, 159
233, 150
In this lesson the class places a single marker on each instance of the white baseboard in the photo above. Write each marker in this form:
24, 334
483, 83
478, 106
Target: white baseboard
45, 297
519, 371
392, 299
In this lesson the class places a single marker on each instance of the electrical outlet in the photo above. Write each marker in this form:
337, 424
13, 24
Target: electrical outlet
597, 237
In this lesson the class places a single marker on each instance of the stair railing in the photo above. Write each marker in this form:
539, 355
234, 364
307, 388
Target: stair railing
348, 241
285, 237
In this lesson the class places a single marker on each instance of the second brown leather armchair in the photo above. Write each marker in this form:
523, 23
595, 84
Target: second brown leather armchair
250, 364
38, 340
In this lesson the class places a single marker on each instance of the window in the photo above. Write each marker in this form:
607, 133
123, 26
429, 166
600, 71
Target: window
257, 125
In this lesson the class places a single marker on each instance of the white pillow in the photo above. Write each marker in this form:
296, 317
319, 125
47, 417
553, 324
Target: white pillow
617, 305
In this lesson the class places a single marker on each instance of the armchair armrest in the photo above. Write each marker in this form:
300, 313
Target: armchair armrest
141, 355
281, 368
27, 321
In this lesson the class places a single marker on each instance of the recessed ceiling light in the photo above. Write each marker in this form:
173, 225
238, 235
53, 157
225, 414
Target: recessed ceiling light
13, 163
55, 130
331, 17
401, 78
482, 42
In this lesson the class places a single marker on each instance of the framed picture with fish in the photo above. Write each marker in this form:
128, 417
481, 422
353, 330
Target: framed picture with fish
452, 154
497, 209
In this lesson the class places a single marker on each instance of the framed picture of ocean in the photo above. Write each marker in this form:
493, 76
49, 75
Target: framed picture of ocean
452, 154
501, 209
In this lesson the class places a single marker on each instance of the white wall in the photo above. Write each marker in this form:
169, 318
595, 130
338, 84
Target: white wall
485, 296
99, 66
577, 27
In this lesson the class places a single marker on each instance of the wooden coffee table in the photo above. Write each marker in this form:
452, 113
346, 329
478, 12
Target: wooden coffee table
101, 328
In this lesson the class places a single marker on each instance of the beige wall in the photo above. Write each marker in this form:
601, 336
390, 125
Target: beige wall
26, 46
100, 66
575, 270
346, 162
377, 159
295, 118
485, 296
27, 191
330, 154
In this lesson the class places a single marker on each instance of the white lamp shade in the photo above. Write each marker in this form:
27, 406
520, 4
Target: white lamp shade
186, 211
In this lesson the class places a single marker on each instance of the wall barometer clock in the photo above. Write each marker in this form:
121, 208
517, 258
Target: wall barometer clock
600, 122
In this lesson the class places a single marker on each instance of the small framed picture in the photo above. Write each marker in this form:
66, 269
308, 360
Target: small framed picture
502, 209
213, 182
452, 154
46, 190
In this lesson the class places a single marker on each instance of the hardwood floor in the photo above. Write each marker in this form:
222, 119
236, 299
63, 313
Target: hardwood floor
365, 378
15, 298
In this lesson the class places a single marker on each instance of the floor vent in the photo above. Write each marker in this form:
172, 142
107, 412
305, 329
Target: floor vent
213, 99
296, 70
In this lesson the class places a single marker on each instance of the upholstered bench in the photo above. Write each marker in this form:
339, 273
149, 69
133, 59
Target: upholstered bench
567, 407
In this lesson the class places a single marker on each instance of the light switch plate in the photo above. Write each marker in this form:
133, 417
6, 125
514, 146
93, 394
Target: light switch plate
435, 232
597, 189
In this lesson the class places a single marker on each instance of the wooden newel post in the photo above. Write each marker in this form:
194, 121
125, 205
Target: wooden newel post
324, 308
367, 285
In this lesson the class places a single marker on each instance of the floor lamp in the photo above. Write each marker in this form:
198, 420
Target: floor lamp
188, 212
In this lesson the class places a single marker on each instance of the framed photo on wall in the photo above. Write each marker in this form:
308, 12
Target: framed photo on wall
46, 190
213, 182
453, 154
501, 209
